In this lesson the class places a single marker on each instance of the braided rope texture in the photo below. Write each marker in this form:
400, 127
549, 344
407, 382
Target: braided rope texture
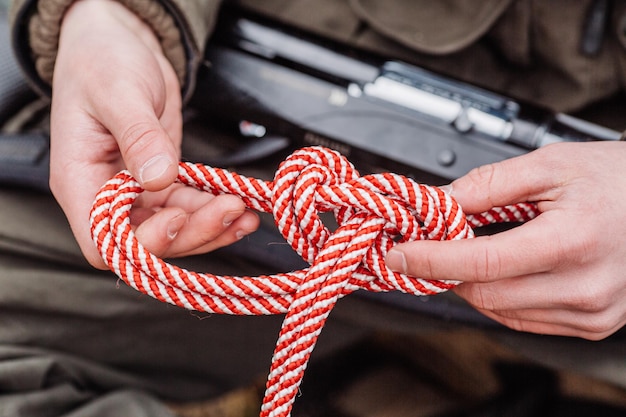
373, 213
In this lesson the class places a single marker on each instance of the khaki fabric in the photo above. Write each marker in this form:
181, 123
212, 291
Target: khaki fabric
437, 28
529, 49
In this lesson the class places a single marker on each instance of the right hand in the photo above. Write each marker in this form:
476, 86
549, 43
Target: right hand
116, 104
562, 273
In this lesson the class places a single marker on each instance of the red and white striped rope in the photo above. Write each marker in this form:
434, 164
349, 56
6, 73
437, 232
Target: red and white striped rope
373, 212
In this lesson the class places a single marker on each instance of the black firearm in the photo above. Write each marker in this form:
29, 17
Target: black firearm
382, 114
292, 89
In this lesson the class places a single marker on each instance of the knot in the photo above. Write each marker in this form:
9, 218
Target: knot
372, 213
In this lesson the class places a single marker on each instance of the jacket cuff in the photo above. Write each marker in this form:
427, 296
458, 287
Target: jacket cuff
44, 27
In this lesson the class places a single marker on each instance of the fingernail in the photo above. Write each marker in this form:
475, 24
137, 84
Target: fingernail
174, 226
230, 217
396, 261
154, 168
241, 234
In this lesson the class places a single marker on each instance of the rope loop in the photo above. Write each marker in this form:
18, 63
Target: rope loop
295, 199
372, 213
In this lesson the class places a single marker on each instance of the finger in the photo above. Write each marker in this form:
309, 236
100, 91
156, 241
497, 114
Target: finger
596, 325
157, 232
535, 291
571, 297
567, 290
525, 178
147, 149
171, 232
245, 224
178, 195
482, 259
220, 222
556, 323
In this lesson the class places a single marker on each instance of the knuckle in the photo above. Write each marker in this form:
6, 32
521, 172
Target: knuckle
595, 337
478, 297
428, 269
482, 177
487, 265
482, 174
576, 252
137, 137
599, 326
588, 299
208, 235
516, 324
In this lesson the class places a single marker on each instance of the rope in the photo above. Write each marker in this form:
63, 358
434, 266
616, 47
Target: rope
373, 212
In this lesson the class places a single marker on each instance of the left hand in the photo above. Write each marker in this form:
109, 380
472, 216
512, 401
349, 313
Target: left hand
116, 104
563, 273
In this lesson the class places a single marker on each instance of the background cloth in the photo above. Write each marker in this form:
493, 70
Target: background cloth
75, 342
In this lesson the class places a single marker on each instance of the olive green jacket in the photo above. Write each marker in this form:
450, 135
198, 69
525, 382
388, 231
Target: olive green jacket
530, 49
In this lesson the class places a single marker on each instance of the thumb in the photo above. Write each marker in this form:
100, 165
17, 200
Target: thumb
147, 149
146, 146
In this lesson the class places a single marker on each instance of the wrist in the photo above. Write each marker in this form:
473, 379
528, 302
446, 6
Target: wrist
85, 16
150, 19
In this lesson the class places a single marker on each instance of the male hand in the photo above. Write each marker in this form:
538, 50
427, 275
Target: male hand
563, 273
116, 104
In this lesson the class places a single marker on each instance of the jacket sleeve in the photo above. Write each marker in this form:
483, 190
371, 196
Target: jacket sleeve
182, 27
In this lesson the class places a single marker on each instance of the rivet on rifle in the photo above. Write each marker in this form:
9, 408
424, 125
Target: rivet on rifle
446, 158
